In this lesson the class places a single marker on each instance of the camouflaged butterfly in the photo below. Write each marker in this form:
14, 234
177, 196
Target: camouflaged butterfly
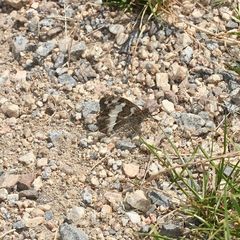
117, 113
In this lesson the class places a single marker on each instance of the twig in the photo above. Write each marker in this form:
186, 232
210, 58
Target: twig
6, 233
203, 162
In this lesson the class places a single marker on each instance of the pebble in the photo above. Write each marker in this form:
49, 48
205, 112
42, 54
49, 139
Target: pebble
159, 199
3, 194
76, 214
10, 110
34, 222
90, 107
116, 29
162, 81
131, 170
8, 181
70, 232
19, 225
171, 230
66, 79
37, 183
134, 217
25, 181
44, 49
28, 158
125, 144
138, 200
42, 162
46, 174
87, 196
168, 106
77, 49
186, 54
17, 4
121, 38
29, 194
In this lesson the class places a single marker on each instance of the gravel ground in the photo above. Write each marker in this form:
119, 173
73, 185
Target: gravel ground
62, 179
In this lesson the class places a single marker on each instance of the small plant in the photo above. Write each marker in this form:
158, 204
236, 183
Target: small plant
214, 198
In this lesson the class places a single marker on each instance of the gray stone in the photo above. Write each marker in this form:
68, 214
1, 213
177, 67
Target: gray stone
125, 144
195, 124
116, 28
85, 72
56, 138
159, 199
171, 230
29, 194
67, 79
70, 232
19, 44
186, 54
19, 225
92, 127
59, 61
87, 196
76, 214
46, 173
138, 200
90, 107
77, 50
48, 215
45, 48
212, 45
231, 25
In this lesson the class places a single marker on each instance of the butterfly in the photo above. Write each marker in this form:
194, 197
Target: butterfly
119, 112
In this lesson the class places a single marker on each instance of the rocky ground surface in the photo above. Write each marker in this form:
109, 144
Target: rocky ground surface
62, 179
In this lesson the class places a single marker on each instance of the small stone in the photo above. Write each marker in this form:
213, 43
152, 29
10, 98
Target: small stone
42, 162
66, 79
134, 217
10, 110
77, 49
215, 78
28, 158
116, 29
19, 225
13, 198
29, 194
168, 106
90, 107
114, 198
48, 215
87, 196
232, 25
94, 181
37, 183
106, 210
45, 48
25, 181
34, 222
46, 173
159, 199
8, 181
125, 144
143, 53
69, 232
131, 170
197, 13
179, 73
184, 40
138, 201
121, 38
76, 214
171, 230
186, 54
162, 81
17, 4
3, 194
56, 138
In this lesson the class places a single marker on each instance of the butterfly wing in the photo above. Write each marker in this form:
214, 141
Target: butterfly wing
116, 112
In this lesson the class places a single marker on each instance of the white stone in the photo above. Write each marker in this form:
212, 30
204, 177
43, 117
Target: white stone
27, 158
168, 106
131, 170
10, 110
134, 217
162, 81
